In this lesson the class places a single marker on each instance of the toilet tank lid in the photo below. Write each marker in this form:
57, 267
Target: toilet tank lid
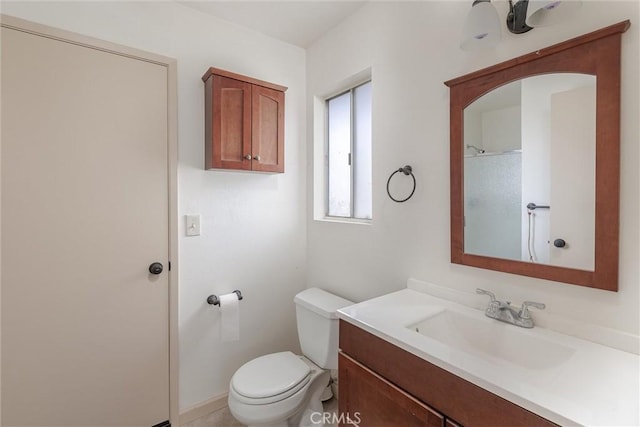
321, 302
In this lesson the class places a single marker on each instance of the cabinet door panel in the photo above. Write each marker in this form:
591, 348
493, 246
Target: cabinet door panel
267, 129
231, 124
370, 400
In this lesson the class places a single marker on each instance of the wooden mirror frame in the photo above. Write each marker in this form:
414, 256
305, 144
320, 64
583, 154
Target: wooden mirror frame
598, 54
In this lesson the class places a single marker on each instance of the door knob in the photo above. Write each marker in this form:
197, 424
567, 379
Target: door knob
248, 157
256, 158
155, 268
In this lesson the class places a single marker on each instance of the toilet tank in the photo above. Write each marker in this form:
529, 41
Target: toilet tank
318, 325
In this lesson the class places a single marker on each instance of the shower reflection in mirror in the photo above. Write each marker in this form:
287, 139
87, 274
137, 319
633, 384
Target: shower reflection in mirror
532, 142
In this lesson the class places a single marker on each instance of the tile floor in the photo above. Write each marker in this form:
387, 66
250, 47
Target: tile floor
223, 418
220, 418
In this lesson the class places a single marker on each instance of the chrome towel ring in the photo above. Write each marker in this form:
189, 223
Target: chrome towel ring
407, 170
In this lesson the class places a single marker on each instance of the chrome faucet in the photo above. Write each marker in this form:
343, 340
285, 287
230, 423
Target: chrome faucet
503, 311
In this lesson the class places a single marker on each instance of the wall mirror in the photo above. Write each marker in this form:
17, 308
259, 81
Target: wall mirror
535, 163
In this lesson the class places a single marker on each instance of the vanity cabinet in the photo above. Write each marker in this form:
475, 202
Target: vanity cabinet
385, 385
244, 123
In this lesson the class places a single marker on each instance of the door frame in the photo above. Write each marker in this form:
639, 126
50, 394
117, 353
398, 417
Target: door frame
171, 65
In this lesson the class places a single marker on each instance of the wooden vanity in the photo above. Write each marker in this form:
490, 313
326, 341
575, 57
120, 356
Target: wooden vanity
381, 384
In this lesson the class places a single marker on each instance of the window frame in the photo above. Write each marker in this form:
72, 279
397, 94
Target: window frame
352, 154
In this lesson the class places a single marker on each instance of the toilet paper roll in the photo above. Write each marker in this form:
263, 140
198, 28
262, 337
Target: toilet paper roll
229, 317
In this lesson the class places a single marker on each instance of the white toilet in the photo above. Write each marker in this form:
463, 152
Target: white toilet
283, 389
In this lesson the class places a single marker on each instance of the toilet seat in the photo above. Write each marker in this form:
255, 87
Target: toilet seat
270, 378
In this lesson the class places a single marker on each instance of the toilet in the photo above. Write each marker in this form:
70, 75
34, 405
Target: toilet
284, 389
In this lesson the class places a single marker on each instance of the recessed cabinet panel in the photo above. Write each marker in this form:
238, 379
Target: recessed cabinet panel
231, 124
230, 113
244, 123
268, 126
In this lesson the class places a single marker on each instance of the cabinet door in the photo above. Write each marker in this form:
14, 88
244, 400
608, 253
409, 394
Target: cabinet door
369, 400
267, 129
229, 140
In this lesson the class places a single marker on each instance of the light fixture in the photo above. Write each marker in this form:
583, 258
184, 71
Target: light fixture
516, 18
525, 14
482, 27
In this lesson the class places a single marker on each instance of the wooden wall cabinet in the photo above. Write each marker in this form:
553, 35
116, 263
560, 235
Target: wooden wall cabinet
383, 385
244, 122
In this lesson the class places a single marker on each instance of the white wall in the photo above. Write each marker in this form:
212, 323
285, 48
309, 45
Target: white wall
501, 129
536, 164
253, 225
412, 48
472, 131
573, 168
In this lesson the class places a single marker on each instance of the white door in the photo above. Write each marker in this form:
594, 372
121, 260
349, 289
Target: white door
85, 326
573, 165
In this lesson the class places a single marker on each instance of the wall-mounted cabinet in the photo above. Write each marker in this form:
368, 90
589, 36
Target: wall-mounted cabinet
244, 123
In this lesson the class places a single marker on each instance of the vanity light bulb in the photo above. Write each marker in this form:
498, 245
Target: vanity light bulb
482, 27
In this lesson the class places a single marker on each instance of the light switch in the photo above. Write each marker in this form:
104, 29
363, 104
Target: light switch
193, 225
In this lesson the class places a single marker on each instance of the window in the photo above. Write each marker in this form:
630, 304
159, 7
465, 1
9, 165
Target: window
349, 153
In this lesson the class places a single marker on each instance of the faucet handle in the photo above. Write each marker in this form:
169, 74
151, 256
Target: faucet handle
524, 311
490, 294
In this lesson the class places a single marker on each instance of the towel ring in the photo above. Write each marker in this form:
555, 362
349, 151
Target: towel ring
407, 170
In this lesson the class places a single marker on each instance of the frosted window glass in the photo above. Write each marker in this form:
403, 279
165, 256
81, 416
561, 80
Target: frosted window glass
339, 150
362, 152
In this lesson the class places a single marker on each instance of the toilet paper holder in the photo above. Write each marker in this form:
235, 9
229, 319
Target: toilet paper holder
214, 300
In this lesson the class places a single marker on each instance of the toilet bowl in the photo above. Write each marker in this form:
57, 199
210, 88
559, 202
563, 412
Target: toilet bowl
260, 401
284, 389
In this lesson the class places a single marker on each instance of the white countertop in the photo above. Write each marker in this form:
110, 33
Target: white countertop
597, 385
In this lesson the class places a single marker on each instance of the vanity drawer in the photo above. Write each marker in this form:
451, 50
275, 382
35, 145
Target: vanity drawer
370, 400
447, 393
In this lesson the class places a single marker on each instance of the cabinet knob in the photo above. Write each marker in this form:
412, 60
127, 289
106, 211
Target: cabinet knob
256, 158
248, 157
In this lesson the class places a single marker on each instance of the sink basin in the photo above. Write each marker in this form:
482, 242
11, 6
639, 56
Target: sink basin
494, 340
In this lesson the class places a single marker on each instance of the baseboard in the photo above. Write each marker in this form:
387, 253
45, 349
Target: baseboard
203, 408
